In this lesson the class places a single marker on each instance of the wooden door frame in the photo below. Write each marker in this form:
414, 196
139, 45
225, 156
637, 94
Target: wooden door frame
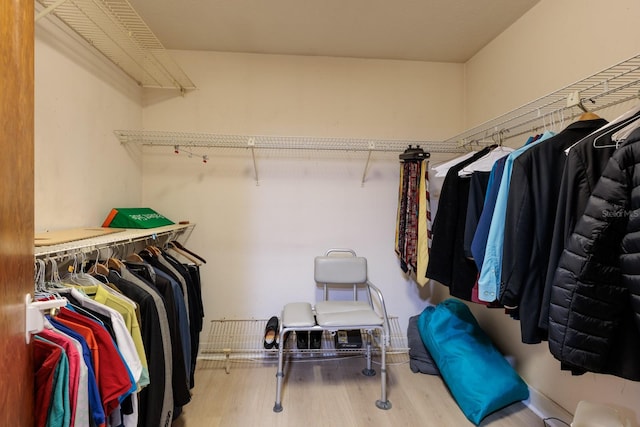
16, 208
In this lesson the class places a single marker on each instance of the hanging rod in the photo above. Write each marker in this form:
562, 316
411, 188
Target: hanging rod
116, 30
127, 236
614, 85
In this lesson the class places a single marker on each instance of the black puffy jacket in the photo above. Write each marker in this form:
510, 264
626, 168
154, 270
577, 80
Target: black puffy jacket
594, 315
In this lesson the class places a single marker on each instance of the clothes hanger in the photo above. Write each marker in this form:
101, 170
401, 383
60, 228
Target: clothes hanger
116, 264
586, 115
55, 281
174, 249
83, 277
609, 134
485, 163
443, 168
134, 258
99, 269
72, 268
181, 247
154, 251
622, 135
39, 273
625, 118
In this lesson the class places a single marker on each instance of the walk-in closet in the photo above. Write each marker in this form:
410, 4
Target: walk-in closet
471, 164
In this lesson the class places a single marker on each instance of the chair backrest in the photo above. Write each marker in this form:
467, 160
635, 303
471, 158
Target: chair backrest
340, 270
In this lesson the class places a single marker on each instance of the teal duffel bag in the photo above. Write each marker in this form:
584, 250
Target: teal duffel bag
477, 374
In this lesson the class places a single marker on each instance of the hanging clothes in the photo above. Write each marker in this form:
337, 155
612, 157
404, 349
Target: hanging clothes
155, 400
113, 375
486, 162
196, 316
407, 237
94, 400
49, 358
413, 220
479, 241
477, 193
447, 261
73, 357
424, 225
129, 411
165, 288
442, 169
531, 208
480, 173
490, 275
594, 312
190, 270
584, 166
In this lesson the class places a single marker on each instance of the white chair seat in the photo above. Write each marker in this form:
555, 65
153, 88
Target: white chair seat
297, 315
333, 306
349, 318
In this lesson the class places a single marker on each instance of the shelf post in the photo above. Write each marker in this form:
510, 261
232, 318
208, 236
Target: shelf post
251, 143
371, 147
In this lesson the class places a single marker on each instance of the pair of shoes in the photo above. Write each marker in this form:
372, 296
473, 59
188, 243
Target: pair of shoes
302, 340
271, 333
315, 339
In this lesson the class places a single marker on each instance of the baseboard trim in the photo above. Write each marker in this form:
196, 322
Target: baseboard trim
545, 408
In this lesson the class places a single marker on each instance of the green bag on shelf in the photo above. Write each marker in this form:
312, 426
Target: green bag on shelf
135, 218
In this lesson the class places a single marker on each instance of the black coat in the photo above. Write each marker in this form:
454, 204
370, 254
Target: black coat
447, 261
594, 322
531, 210
583, 169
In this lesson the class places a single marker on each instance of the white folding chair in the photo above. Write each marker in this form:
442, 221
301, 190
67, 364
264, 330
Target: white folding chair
336, 269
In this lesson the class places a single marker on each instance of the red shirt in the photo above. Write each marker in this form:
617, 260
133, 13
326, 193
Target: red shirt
46, 357
113, 377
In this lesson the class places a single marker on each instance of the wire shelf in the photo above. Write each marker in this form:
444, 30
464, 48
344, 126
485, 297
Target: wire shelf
126, 236
115, 29
210, 140
243, 339
609, 87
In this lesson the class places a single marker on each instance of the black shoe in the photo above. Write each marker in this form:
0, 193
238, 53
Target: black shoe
271, 333
315, 339
302, 339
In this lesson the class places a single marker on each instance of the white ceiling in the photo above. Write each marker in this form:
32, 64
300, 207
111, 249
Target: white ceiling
424, 30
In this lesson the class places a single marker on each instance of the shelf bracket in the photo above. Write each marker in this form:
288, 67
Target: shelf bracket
573, 100
48, 9
371, 147
251, 143
35, 314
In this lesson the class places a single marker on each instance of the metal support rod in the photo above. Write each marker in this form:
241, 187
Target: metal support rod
48, 9
251, 143
366, 165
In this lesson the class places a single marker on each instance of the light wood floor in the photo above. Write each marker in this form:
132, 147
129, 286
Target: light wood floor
328, 393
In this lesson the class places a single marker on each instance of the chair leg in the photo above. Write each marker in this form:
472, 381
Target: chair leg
368, 371
383, 403
277, 407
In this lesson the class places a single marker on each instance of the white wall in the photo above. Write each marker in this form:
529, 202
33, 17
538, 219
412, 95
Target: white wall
260, 240
81, 170
555, 44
